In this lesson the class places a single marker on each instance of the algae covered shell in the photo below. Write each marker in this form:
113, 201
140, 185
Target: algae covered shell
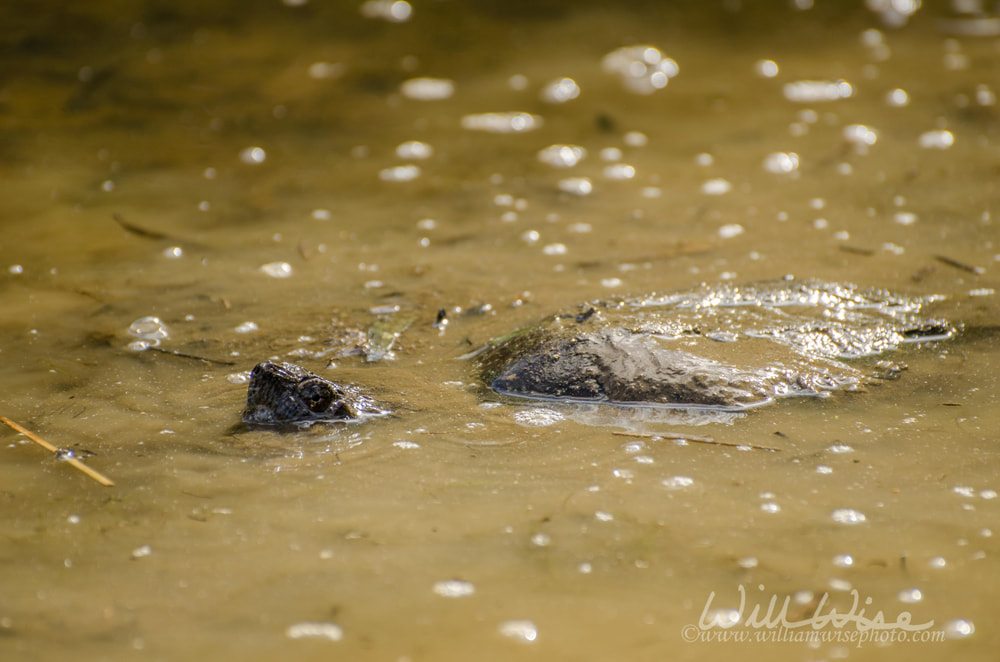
720, 346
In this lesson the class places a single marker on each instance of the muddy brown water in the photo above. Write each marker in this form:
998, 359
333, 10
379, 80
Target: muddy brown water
466, 523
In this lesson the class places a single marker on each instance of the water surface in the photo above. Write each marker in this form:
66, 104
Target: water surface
218, 164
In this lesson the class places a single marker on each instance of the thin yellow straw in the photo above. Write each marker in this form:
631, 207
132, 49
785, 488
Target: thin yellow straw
100, 478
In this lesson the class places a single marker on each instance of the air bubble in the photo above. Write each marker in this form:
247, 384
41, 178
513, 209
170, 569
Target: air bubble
253, 155
149, 331
518, 82
403, 173
717, 186
723, 618
781, 162
936, 140
859, 134
239, 377
635, 139
325, 70
513, 122
730, 230
813, 91
328, 631
642, 69
959, 628
454, 588
142, 552
611, 154
148, 327
394, 11
619, 171
848, 516
677, 482
576, 185
765, 68
520, 630
560, 90
843, 560
414, 149
277, 269
897, 98
562, 156
427, 89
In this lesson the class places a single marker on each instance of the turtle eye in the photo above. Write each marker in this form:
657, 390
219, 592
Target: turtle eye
317, 395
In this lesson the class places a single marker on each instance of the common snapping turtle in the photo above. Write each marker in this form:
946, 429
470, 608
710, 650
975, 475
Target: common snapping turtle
723, 346
287, 394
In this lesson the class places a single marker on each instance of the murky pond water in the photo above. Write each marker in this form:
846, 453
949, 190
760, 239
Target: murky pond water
275, 180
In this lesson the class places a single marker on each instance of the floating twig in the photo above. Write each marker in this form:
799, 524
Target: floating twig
857, 250
944, 259
696, 440
136, 230
195, 357
679, 249
62, 454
